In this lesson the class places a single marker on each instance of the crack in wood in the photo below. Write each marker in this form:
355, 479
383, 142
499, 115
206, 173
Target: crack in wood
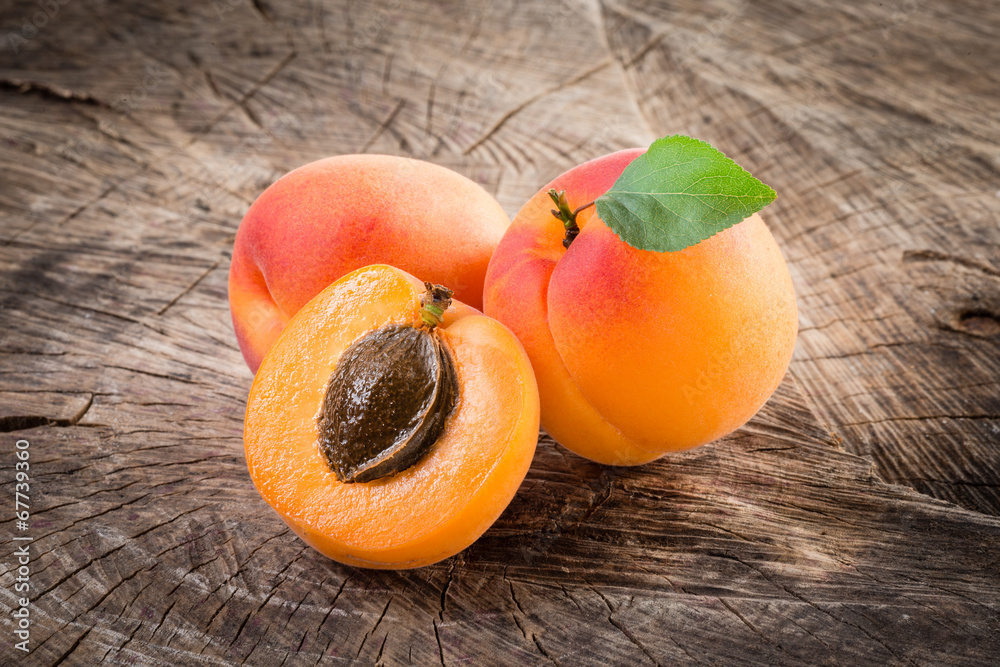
190, 287
520, 625
51, 92
383, 126
927, 255
572, 81
12, 423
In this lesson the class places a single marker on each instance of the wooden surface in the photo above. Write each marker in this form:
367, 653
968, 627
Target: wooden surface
855, 520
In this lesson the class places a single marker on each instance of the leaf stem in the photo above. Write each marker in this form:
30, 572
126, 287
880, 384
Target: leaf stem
563, 213
433, 303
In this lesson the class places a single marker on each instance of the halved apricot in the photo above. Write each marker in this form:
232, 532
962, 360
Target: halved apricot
455, 490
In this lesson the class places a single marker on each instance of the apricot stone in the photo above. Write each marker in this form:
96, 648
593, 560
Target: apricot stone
639, 353
330, 217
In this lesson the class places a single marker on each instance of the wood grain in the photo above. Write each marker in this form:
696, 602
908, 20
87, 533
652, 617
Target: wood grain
855, 520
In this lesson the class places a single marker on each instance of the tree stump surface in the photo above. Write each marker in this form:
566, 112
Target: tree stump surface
854, 520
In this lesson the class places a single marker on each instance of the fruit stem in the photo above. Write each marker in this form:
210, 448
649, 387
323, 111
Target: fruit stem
565, 215
433, 303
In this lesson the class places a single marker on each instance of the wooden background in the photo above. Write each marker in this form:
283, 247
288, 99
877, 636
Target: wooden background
855, 520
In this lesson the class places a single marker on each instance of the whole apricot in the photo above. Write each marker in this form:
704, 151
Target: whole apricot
638, 353
327, 218
388, 425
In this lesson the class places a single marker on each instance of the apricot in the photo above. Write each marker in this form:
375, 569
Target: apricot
327, 218
639, 353
344, 378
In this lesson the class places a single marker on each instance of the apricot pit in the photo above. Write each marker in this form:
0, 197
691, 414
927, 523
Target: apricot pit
389, 398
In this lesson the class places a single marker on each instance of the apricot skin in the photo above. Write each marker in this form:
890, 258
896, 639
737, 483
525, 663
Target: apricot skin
327, 218
450, 497
639, 353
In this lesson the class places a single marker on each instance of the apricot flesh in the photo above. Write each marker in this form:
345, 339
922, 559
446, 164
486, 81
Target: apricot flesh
445, 501
327, 218
639, 353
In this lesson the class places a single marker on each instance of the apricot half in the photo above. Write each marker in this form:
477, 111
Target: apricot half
327, 218
416, 514
638, 353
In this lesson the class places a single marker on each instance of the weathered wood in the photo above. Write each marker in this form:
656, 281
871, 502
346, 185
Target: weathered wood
855, 520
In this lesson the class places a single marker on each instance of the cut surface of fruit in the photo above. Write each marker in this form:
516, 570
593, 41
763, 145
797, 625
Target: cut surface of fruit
447, 498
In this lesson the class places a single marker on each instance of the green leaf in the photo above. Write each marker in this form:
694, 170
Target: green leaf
678, 193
